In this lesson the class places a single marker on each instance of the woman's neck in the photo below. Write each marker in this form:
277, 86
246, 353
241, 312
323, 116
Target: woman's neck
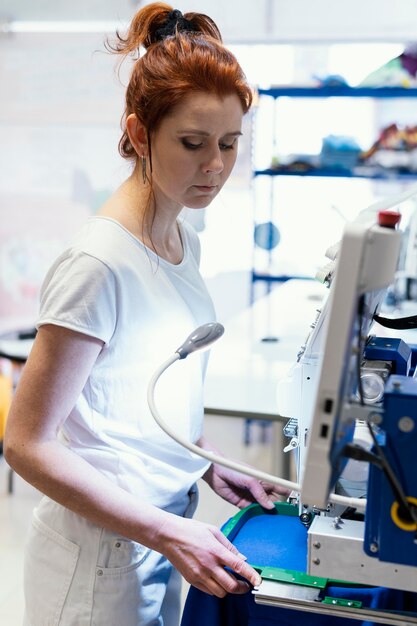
157, 229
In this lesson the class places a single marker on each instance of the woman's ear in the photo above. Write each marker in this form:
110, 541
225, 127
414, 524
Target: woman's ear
137, 134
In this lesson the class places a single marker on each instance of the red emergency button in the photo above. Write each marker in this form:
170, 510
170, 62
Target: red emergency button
389, 219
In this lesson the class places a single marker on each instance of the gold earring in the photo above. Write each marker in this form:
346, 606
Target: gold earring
143, 169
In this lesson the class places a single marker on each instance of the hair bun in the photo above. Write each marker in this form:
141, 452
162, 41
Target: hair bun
155, 22
175, 22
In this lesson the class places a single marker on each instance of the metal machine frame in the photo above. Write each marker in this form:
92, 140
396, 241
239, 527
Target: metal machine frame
380, 548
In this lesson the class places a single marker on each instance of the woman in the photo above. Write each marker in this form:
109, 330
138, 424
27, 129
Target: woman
119, 493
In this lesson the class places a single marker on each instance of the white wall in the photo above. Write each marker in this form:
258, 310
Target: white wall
307, 20
252, 20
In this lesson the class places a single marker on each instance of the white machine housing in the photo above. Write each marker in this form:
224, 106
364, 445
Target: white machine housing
366, 264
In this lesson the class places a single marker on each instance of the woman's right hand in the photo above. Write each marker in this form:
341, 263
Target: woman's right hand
200, 552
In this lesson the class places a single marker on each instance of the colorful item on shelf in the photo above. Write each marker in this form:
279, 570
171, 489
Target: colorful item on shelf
295, 163
339, 152
409, 60
332, 80
395, 148
394, 137
398, 72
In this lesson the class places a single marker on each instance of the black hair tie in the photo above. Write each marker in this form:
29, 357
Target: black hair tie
175, 22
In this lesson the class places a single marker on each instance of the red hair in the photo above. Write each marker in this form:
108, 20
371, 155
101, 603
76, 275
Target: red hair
191, 60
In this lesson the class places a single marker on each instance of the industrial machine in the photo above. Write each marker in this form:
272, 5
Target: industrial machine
351, 400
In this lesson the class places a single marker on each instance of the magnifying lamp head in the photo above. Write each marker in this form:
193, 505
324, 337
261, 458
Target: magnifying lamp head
201, 337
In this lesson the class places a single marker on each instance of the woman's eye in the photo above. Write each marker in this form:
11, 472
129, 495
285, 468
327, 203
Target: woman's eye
225, 146
190, 145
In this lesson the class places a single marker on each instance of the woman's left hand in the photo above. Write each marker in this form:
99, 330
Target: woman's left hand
242, 490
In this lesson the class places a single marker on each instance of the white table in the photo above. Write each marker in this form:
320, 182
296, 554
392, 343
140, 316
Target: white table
243, 369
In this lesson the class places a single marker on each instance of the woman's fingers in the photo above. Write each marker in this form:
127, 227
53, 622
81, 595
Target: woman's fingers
208, 560
229, 583
241, 567
277, 490
221, 583
236, 561
227, 544
260, 494
266, 493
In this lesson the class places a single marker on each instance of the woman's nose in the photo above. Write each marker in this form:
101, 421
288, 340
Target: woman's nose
214, 162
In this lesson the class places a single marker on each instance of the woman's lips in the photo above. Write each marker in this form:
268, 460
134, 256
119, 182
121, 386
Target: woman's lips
205, 188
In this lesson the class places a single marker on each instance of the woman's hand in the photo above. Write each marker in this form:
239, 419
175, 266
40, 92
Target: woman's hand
200, 552
242, 490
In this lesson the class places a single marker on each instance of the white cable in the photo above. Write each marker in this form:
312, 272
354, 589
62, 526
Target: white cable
357, 503
354, 503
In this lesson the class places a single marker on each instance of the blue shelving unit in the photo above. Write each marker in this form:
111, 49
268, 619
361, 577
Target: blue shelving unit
342, 173
339, 92
363, 172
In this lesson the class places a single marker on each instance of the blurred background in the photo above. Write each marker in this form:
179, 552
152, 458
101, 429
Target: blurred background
62, 101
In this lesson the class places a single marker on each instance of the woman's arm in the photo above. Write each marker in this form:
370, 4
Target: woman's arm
52, 379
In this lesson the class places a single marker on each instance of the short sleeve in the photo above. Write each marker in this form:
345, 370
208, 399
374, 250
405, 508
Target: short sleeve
79, 293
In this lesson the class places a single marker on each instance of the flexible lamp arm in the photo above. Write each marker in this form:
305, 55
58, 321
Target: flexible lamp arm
202, 337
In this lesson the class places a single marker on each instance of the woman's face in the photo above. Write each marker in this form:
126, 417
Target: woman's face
194, 150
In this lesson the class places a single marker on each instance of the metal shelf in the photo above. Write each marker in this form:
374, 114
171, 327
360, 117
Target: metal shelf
275, 278
360, 172
339, 92
340, 173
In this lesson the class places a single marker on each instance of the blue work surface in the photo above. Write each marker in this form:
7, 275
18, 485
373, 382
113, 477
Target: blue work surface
281, 541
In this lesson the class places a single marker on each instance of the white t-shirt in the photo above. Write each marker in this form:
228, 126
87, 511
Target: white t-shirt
110, 286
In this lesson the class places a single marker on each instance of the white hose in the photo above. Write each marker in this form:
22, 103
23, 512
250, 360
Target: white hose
357, 503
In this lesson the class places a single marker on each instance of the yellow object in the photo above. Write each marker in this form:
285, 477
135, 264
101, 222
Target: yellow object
5, 401
397, 519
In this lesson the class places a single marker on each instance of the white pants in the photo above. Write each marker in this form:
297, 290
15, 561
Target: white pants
77, 574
